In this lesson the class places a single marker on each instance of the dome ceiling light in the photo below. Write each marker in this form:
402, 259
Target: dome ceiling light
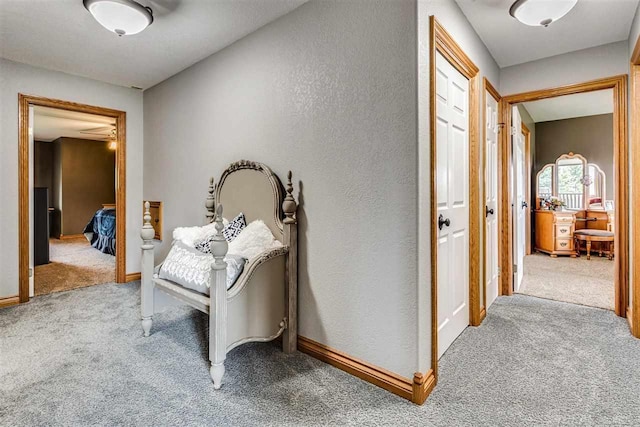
123, 17
540, 13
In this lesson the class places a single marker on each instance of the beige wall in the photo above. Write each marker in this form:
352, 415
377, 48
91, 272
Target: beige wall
87, 171
590, 136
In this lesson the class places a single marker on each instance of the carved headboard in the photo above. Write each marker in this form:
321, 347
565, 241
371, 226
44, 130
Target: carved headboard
253, 189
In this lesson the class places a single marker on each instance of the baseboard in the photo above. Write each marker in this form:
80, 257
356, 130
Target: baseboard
389, 381
423, 385
483, 315
132, 277
630, 319
70, 236
9, 301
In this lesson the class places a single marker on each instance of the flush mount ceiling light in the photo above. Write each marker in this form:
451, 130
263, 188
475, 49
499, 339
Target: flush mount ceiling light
540, 13
123, 17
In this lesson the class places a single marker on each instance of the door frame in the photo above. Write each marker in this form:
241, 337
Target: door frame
618, 84
24, 101
442, 42
633, 309
488, 87
527, 189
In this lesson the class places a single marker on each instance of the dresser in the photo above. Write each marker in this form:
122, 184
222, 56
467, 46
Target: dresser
554, 232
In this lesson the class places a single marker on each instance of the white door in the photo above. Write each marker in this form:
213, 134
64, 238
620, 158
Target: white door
452, 186
519, 202
31, 223
491, 199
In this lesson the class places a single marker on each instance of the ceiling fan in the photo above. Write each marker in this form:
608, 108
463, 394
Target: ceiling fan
105, 132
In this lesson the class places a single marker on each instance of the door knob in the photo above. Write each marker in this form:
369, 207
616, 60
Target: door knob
525, 205
442, 221
487, 211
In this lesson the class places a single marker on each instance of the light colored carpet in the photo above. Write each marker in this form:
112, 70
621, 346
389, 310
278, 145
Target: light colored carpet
574, 280
74, 264
79, 358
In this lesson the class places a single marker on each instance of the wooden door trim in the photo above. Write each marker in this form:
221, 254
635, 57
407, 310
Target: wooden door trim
633, 308
23, 182
442, 42
527, 191
618, 84
488, 87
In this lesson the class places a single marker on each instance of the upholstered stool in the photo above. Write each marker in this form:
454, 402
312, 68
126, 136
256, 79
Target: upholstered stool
589, 235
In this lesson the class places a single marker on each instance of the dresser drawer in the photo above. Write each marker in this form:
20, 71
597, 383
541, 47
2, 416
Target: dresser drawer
564, 219
564, 244
563, 231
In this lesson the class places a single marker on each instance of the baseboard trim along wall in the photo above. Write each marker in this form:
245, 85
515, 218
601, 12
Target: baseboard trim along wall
9, 301
70, 236
416, 390
132, 277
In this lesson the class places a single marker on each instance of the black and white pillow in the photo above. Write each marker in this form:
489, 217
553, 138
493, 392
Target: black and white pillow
234, 228
230, 232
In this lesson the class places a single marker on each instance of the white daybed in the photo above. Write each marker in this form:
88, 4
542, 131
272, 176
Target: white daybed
262, 304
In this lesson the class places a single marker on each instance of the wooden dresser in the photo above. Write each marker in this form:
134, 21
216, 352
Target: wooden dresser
554, 232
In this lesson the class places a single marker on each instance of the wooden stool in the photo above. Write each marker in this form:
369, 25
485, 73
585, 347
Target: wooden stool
587, 235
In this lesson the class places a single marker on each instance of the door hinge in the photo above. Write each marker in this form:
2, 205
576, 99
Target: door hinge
515, 268
30, 272
514, 131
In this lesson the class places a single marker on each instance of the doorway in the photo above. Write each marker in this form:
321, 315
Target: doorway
618, 87
27, 104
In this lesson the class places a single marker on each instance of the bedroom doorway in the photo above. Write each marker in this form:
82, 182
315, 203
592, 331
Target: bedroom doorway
555, 230
71, 154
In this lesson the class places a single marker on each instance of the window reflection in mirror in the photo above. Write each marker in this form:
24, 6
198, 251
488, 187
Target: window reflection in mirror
545, 182
570, 188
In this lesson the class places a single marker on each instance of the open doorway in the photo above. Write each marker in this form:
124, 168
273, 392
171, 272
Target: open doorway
103, 130
564, 210
73, 190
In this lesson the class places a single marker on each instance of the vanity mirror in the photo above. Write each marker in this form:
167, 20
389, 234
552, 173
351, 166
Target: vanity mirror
578, 184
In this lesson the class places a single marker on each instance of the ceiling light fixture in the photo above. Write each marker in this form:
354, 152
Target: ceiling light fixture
123, 17
540, 13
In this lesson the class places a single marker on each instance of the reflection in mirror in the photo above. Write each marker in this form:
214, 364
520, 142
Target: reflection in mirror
570, 174
595, 186
545, 182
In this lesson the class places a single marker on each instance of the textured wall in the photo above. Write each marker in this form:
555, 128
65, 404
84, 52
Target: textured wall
453, 20
573, 67
88, 180
590, 136
328, 91
19, 78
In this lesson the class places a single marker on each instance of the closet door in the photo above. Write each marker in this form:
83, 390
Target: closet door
452, 187
519, 202
491, 199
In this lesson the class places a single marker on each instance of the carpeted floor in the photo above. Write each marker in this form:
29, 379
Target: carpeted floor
74, 264
79, 358
574, 280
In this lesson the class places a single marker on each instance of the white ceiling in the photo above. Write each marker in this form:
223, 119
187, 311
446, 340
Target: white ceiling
590, 23
52, 123
61, 35
570, 106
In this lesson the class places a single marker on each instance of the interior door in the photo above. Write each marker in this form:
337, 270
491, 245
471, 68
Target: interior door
452, 188
519, 202
491, 200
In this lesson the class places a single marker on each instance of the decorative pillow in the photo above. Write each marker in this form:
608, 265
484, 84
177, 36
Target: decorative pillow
253, 240
230, 232
190, 235
191, 268
234, 228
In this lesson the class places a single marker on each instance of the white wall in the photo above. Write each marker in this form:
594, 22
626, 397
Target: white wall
328, 91
573, 67
453, 20
19, 78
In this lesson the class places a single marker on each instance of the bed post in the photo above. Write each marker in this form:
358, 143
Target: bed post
218, 304
146, 286
210, 203
289, 206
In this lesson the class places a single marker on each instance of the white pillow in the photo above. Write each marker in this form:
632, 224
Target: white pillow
253, 240
190, 235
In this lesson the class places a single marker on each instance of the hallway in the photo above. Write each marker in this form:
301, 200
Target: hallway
532, 362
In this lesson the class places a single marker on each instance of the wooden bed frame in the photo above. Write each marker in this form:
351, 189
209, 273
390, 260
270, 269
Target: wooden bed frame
262, 305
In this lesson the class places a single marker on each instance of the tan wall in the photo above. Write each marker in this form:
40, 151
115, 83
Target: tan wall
87, 171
